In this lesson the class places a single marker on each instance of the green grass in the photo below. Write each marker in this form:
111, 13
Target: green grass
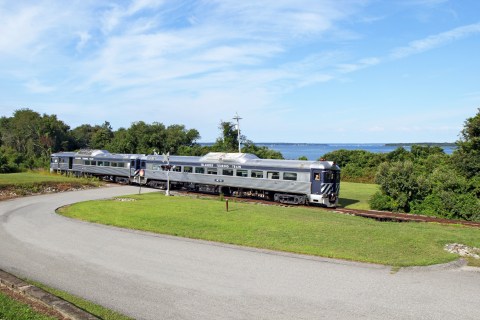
294, 229
356, 195
11, 309
95, 309
29, 178
472, 262
27, 183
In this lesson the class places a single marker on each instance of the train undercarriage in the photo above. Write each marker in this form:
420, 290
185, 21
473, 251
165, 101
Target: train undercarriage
295, 199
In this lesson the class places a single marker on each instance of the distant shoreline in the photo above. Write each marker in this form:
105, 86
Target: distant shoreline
430, 144
403, 144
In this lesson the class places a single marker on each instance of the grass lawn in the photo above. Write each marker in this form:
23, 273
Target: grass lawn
95, 309
356, 195
11, 309
293, 229
27, 183
40, 177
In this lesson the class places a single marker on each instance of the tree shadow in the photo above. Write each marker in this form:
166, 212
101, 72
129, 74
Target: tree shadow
343, 202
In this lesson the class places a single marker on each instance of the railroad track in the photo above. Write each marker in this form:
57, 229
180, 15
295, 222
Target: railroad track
371, 214
403, 217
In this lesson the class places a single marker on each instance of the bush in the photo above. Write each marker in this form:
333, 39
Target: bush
380, 201
450, 205
356, 165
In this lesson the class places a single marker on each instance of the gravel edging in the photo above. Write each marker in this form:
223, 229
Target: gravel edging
36, 294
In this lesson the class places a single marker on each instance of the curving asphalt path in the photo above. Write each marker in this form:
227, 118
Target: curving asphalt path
161, 277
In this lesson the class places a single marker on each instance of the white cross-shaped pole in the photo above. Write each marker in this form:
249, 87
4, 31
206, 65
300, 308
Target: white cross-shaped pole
166, 158
237, 117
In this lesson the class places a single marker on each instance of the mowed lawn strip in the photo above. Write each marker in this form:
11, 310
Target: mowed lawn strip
11, 309
356, 195
294, 229
90, 307
25, 178
27, 183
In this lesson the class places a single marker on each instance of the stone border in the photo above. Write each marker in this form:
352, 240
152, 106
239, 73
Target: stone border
36, 294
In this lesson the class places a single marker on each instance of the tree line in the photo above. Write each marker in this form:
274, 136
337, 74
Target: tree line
423, 180
28, 138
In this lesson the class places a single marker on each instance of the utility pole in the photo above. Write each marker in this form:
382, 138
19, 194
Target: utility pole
237, 117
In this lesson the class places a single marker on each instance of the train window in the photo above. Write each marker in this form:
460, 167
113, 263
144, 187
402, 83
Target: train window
256, 174
143, 165
93, 163
211, 171
290, 176
114, 164
156, 167
132, 164
100, 163
227, 172
329, 176
199, 170
177, 168
242, 173
87, 162
187, 169
106, 163
273, 175
121, 164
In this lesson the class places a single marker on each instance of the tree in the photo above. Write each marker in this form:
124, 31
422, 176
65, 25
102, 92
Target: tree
427, 181
33, 136
146, 138
262, 152
356, 165
228, 142
398, 183
177, 135
467, 155
102, 136
82, 136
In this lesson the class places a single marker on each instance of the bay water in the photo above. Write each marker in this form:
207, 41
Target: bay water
314, 151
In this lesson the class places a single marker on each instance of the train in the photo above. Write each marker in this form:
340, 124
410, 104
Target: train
230, 174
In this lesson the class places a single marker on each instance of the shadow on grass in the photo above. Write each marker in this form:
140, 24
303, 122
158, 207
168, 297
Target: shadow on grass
342, 202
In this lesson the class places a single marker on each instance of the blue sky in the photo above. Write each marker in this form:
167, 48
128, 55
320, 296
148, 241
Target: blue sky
322, 71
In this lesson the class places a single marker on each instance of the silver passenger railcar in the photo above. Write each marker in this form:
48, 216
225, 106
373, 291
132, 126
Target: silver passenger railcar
235, 174
99, 163
238, 174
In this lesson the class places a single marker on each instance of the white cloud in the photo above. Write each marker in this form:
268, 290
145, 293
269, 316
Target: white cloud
428, 3
361, 64
435, 41
83, 38
213, 56
36, 86
19, 29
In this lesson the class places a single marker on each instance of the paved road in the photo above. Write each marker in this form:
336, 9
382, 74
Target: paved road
160, 277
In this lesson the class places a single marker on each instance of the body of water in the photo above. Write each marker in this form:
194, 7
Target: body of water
314, 151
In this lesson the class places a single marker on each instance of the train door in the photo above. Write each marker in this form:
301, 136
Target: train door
134, 166
70, 163
330, 182
316, 181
